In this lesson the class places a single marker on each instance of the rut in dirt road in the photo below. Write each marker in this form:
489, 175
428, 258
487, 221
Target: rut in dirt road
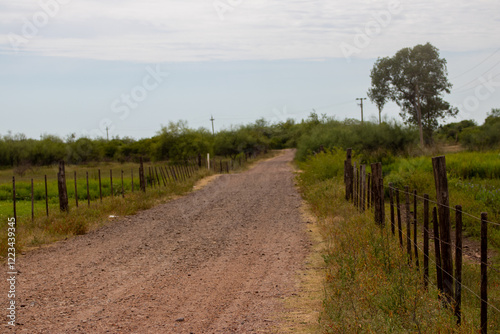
218, 260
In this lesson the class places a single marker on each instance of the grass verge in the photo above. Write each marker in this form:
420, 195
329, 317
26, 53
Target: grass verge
369, 286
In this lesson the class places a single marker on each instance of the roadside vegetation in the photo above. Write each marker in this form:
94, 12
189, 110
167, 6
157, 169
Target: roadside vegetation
369, 287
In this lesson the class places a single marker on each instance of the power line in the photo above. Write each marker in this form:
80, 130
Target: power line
477, 65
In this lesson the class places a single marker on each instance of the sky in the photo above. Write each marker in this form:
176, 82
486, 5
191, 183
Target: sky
81, 66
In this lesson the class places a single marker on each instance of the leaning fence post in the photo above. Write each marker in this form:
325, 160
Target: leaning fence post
63, 192
484, 273
442, 195
458, 263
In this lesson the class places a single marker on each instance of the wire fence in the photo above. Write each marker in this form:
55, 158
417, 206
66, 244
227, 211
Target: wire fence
40, 196
366, 192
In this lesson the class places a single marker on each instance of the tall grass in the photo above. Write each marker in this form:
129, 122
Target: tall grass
473, 180
369, 286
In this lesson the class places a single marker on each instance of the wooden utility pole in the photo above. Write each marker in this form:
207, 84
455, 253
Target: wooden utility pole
212, 120
361, 105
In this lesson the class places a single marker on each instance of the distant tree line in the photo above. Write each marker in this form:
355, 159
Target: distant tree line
177, 142
472, 136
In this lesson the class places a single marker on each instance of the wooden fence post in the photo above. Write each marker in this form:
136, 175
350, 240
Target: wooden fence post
163, 176
32, 202
368, 190
442, 195
363, 187
172, 171
132, 178
348, 175
415, 245
426, 240
378, 195
408, 224
46, 197
111, 182
458, 263
76, 191
484, 273
63, 192
14, 199
88, 191
123, 189
151, 178
157, 177
168, 175
100, 185
391, 201
354, 184
400, 227
437, 251
142, 183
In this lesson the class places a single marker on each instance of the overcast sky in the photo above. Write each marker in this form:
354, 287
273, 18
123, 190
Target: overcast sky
79, 66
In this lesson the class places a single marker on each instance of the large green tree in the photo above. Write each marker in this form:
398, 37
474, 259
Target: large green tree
416, 80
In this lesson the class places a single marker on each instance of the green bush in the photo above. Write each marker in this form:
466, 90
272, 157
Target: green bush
374, 142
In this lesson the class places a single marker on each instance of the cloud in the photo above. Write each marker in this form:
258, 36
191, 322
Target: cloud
174, 30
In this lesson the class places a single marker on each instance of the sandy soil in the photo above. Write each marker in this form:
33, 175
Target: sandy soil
218, 260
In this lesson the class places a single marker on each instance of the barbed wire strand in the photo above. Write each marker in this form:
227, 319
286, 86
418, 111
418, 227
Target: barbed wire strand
450, 275
447, 206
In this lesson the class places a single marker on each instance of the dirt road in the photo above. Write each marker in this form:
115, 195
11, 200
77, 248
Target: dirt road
218, 260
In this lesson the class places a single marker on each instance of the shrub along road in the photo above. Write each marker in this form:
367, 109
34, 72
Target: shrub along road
218, 260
